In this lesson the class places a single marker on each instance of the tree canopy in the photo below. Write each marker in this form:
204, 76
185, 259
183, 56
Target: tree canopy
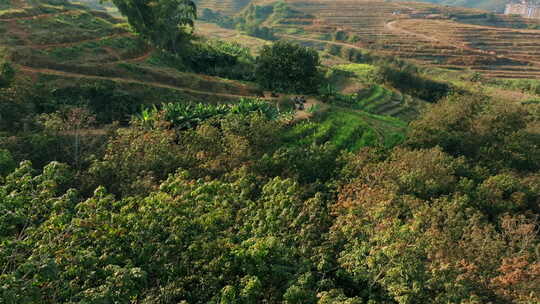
288, 67
7, 73
166, 23
220, 211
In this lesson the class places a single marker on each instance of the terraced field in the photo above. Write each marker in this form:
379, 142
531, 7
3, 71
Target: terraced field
70, 41
348, 129
494, 51
227, 7
381, 101
350, 81
428, 34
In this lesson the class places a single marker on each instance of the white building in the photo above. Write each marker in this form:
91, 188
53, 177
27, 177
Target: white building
524, 9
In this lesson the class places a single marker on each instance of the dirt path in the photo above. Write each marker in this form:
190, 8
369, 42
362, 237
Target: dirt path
391, 26
112, 52
140, 58
68, 44
305, 114
125, 80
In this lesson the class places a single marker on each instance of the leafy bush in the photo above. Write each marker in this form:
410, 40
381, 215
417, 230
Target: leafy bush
109, 102
328, 92
7, 164
531, 86
262, 32
230, 211
209, 15
412, 83
288, 67
185, 116
495, 134
7, 73
167, 24
219, 58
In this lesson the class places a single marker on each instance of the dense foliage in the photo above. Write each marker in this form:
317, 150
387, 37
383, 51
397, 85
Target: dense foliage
412, 83
108, 196
209, 15
187, 115
288, 67
219, 58
166, 24
6, 74
223, 212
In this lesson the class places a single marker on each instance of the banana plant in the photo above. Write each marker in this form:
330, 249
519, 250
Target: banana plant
189, 115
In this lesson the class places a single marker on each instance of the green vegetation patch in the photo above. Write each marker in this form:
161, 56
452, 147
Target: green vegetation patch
358, 69
531, 86
9, 12
4, 4
67, 28
347, 130
68, 53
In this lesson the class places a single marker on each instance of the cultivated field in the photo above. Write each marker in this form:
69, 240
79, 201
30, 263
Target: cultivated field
497, 46
227, 7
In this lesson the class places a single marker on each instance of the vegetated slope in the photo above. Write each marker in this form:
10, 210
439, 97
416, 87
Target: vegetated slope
491, 5
428, 34
70, 41
347, 129
106, 6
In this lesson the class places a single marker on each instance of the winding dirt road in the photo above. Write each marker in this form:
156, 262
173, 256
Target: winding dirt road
391, 26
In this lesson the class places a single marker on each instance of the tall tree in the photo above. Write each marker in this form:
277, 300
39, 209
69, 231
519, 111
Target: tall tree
165, 23
288, 67
7, 73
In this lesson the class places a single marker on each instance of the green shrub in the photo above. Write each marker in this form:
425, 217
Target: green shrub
288, 67
7, 164
410, 82
209, 15
185, 116
7, 73
218, 58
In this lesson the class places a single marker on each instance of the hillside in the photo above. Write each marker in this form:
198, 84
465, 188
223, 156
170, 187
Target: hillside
431, 35
381, 157
64, 47
69, 41
488, 5
227, 7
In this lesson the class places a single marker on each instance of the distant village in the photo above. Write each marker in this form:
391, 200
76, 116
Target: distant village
523, 8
